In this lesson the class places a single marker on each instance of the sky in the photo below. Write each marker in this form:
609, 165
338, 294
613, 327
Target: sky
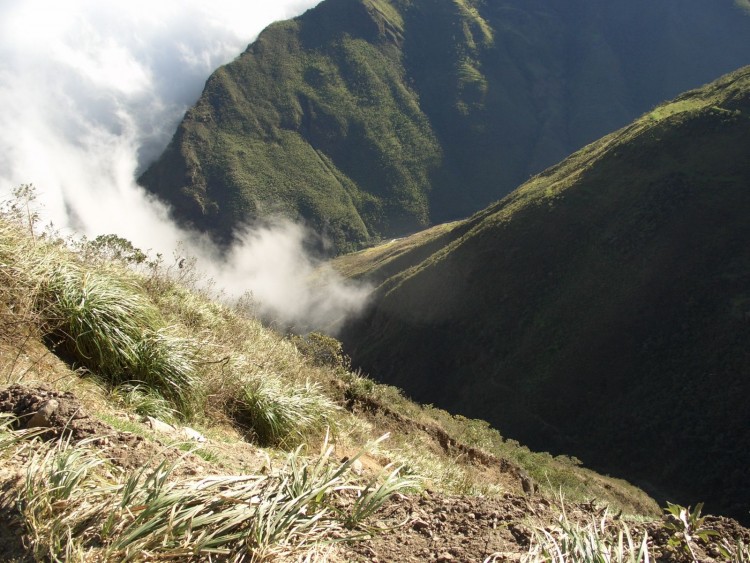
91, 92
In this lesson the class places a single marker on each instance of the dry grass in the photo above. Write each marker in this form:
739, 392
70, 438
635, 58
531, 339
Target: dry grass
601, 540
77, 507
370, 260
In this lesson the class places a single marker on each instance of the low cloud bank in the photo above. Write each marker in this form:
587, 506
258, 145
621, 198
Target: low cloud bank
286, 280
91, 91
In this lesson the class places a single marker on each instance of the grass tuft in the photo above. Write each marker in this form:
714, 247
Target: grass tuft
282, 415
597, 541
108, 325
144, 401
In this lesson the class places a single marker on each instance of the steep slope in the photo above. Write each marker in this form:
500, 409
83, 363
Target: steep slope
104, 363
602, 309
373, 118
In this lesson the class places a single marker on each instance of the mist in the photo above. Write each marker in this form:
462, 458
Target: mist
91, 92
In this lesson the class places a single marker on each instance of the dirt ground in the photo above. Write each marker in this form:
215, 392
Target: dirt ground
435, 528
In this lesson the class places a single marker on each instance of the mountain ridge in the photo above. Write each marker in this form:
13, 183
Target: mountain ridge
372, 119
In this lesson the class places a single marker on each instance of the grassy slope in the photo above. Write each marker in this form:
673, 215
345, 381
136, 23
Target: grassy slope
303, 386
602, 308
315, 120
372, 119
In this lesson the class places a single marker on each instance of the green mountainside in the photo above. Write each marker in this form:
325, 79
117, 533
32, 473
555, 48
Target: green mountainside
375, 118
602, 309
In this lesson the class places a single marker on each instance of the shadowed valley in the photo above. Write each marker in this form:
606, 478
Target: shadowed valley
601, 309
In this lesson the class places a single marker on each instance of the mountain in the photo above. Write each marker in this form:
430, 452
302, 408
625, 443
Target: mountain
375, 118
602, 309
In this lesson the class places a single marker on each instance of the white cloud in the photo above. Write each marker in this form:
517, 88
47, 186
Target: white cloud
91, 90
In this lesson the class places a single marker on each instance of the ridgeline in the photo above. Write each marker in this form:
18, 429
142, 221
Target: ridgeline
369, 119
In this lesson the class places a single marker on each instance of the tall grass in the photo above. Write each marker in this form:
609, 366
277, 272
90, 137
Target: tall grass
55, 478
281, 414
126, 329
95, 315
77, 508
107, 324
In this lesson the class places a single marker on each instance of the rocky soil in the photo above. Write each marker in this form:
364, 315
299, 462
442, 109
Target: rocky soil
436, 528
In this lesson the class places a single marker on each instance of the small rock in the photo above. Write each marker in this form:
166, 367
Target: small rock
445, 556
191, 434
420, 525
43, 417
520, 533
526, 483
357, 467
159, 426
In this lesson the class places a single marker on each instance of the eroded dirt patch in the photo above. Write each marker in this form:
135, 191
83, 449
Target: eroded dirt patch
438, 528
60, 415
435, 528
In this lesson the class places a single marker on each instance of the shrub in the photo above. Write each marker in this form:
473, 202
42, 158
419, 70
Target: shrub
322, 350
113, 247
358, 386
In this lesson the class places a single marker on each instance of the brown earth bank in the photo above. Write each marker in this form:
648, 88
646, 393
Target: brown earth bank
438, 528
428, 526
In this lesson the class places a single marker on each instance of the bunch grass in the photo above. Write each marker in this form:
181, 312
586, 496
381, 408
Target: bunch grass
144, 401
94, 314
282, 415
107, 324
76, 507
599, 540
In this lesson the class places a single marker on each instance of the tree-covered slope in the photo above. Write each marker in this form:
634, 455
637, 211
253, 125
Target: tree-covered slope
602, 309
372, 118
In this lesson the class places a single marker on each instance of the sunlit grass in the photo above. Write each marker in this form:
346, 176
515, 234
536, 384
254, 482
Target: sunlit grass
108, 325
279, 414
600, 540
76, 507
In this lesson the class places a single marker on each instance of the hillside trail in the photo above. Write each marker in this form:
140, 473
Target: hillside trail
424, 527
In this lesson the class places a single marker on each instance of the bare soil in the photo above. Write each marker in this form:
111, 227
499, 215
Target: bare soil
436, 528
